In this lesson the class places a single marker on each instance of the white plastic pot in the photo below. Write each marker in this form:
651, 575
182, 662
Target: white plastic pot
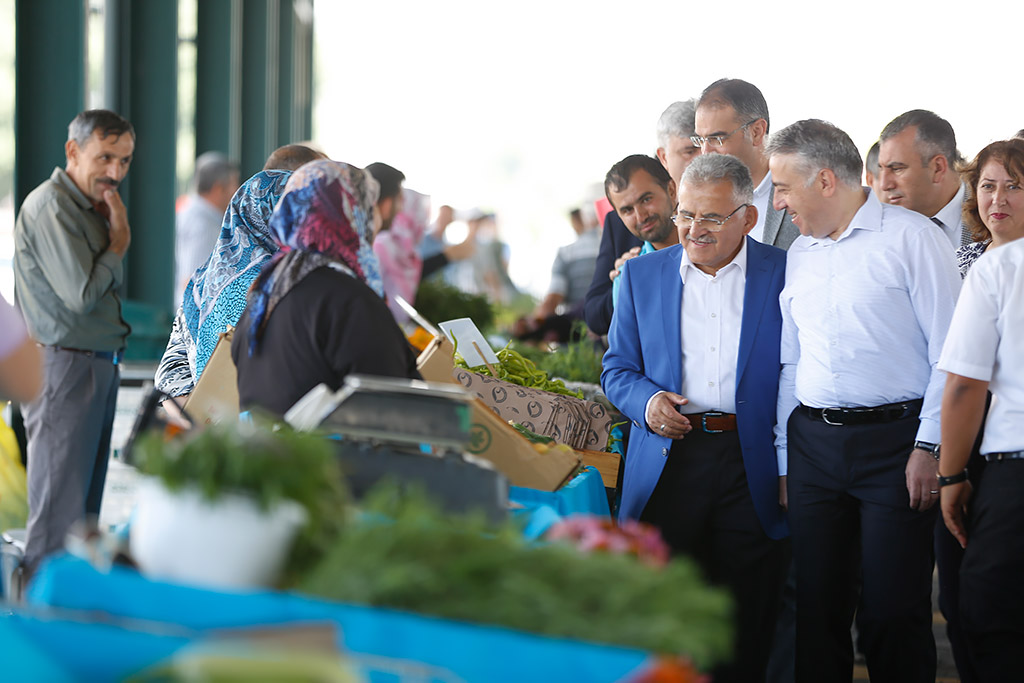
227, 543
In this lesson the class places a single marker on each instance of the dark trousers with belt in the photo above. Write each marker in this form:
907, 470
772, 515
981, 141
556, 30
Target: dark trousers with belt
703, 507
991, 589
850, 516
69, 427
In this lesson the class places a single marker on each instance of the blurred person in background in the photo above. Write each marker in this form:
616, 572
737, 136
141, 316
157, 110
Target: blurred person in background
197, 223
316, 313
21, 361
485, 272
571, 273
871, 170
392, 199
438, 253
675, 151
290, 157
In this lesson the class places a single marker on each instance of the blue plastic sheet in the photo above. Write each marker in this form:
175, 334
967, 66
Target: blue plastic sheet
583, 495
470, 652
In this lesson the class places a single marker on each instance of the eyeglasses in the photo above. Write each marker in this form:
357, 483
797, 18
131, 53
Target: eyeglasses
710, 224
717, 140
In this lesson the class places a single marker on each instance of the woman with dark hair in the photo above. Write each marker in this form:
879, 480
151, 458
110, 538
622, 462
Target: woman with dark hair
997, 164
316, 313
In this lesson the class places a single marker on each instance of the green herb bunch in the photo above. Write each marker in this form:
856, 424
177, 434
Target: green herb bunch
577, 361
267, 463
463, 568
438, 301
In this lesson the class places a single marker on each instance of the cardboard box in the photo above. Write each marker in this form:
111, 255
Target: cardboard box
215, 396
583, 425
605, 463
435, 362
494, 440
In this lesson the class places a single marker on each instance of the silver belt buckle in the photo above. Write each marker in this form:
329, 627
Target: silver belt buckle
824, 416
704, 421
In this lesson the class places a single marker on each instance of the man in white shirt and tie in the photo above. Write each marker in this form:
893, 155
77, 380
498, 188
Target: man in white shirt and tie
917, 170
870, 290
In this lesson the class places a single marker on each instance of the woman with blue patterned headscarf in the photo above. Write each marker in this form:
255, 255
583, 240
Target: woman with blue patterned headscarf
215, 296
316, 313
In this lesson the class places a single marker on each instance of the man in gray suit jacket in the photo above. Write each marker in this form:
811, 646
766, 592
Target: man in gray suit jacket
732, 118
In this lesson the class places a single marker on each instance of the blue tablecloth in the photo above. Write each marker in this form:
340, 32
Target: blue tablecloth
60, 648
583, 495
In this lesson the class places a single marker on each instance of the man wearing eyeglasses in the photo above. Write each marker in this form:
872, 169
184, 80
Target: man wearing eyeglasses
869, 295
732, 118
693, 361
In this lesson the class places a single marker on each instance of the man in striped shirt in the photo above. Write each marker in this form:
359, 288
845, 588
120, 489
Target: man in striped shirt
870, 290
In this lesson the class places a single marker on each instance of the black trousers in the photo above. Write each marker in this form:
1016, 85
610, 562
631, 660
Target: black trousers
850, 516
948, 558
991, 589
703, 507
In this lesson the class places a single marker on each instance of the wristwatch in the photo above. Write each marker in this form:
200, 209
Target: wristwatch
932, 448
955, 479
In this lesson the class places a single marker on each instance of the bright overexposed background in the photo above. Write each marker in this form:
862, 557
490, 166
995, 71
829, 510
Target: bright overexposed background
522, 107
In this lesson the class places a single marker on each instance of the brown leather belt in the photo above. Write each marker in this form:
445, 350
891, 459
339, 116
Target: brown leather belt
713, 421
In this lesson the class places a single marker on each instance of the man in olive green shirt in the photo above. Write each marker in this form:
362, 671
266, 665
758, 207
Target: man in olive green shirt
70, 238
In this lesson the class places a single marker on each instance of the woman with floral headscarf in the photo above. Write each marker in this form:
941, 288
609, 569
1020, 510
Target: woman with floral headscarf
215, 296
316, 312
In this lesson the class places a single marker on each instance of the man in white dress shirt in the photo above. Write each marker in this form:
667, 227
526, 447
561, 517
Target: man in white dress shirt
198, 222
917, 170
983, 352
870, 290
732, 118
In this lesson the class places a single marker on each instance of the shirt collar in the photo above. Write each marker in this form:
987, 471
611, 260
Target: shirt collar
868, 217
950, 214
61, 177
764, 187
739, 262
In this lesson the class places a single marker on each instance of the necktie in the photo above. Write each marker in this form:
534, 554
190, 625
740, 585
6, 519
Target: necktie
965, 235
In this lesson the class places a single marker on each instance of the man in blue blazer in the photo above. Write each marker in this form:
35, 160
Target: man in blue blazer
693, 361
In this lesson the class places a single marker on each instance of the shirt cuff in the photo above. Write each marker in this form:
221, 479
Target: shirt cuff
929, 431
783, 458
647, 408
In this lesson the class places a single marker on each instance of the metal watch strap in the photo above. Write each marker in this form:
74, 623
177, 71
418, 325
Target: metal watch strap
949, 481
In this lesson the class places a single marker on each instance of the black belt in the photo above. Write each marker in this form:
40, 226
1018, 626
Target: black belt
890, 412
1007, 455
113, 356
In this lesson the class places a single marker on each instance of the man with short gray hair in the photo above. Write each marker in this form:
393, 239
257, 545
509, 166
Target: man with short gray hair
198, 222
917, 169
732, 118
869, 295
70, 239
694, 352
